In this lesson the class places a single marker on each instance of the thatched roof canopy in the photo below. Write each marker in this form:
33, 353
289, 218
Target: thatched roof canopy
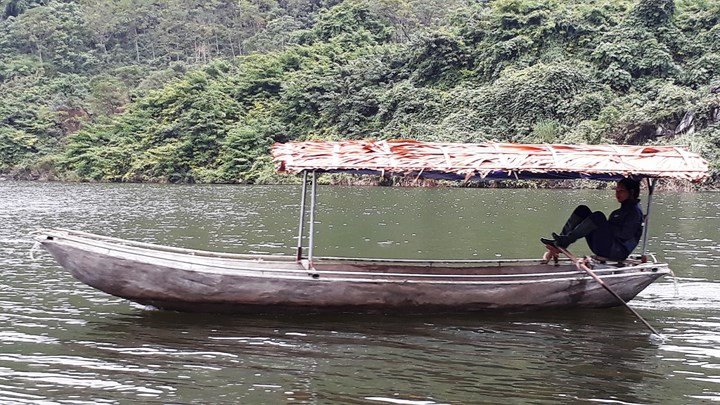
460, 161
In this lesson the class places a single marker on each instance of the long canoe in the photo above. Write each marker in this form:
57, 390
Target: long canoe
193, 280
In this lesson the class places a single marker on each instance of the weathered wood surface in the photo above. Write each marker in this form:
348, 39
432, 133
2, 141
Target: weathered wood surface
191, 282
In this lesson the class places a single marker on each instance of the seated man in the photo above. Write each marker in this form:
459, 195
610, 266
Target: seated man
613, 238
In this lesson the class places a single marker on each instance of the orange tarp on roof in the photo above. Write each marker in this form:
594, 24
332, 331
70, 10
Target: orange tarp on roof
490, 160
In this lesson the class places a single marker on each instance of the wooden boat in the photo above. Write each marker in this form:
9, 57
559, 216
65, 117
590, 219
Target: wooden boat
191, 280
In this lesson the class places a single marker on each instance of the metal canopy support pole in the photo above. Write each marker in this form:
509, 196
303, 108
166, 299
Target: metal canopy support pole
311, 236
301, 231
651, 189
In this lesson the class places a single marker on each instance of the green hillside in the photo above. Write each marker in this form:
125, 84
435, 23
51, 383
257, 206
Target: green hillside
197, 91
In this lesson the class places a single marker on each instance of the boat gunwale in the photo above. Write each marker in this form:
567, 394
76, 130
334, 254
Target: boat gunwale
72, 234
613, 272
69, 233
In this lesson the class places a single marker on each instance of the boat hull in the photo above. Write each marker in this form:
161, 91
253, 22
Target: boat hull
203, 283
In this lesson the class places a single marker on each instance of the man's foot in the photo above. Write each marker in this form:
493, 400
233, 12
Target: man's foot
548, 242
550, 255
562, 241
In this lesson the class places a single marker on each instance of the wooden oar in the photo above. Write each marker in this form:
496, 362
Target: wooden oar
582, 266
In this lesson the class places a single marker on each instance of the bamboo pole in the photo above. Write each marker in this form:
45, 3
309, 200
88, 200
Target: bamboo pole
311, 236
301, 227
646, 225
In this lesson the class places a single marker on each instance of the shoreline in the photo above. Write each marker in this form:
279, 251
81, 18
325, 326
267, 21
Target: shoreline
374, 181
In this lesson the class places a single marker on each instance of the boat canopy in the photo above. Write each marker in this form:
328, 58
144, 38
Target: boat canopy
490, 160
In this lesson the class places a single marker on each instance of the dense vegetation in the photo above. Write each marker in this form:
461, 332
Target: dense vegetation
197, 91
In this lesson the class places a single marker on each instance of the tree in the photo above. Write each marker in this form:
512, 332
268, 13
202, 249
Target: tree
57, 35
352, 23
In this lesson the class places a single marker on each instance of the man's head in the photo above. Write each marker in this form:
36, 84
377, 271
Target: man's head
627, 189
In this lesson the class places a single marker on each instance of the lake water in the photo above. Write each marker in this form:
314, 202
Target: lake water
62, 342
